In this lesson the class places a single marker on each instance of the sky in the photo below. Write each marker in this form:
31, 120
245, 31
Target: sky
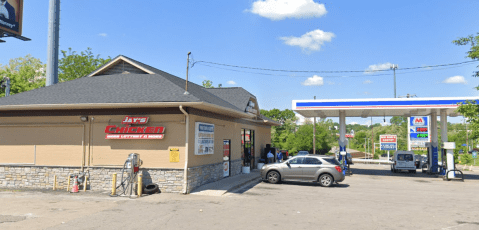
297, 35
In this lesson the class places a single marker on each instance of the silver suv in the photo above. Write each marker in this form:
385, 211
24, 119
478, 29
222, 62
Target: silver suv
317, 168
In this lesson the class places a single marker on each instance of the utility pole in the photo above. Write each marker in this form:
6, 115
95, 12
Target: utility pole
187, 68
314, 132
53, 42
394, 67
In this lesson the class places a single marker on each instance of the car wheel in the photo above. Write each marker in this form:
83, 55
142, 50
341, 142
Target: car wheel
392, 170
273, 177
326, 180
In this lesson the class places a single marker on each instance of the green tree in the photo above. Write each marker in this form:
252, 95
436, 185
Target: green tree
473, 53
74, 65
398, 120
279, 134
302, 139
25, 73
207, 84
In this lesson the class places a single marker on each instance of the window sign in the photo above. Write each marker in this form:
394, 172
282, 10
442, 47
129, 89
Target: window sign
204, 138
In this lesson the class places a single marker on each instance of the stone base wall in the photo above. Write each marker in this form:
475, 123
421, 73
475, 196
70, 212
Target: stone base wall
200, 175
100, 179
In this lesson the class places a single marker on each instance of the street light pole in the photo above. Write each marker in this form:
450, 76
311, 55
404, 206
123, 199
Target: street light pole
394, 67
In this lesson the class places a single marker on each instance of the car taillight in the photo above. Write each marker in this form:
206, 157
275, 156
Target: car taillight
338, 168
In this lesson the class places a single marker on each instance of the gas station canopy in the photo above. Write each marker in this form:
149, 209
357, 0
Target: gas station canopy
379, 107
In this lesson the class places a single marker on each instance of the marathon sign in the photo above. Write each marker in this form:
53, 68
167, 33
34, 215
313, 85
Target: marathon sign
388, 142
134, 132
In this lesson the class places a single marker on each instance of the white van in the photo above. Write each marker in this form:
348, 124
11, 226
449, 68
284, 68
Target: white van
404, 160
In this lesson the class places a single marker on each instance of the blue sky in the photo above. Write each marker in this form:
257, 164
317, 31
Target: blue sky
274, 34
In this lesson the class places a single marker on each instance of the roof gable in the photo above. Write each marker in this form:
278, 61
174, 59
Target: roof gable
120, 65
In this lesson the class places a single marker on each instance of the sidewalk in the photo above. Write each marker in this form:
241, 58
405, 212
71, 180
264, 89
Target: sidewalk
225, 185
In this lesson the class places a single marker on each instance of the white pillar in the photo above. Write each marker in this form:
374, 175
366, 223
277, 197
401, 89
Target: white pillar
449, 153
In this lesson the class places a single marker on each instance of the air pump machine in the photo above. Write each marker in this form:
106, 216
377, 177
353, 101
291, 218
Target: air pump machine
129, 173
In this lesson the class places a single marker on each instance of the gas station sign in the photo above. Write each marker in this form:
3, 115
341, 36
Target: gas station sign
418, 133
388, 142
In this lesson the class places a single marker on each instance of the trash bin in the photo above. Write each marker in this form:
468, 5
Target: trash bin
260, 165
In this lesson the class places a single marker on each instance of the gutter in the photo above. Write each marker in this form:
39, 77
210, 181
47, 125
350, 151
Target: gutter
199, 105
187, 129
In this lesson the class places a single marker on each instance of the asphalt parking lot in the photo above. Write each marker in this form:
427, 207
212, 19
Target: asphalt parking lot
371, 198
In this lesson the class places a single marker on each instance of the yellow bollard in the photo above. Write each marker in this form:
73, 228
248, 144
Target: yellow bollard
140, 185
85, 184
68, 185
113, 185
55, 182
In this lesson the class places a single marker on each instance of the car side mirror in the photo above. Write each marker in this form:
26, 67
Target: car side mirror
287, 163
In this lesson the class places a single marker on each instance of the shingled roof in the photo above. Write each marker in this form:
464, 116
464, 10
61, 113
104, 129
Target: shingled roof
147, 84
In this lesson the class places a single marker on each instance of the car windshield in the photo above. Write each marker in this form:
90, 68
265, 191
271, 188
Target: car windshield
332, 161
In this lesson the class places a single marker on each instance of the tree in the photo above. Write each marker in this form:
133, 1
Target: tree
207, 84
279, 115
25, 73
473, 53
398, 120
73, 65
470, 110
279, 134
302, 139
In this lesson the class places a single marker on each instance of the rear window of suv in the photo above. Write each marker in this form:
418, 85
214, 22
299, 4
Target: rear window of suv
332, 161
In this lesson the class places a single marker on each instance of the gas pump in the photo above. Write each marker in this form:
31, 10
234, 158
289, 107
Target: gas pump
130, 169
344, 161
432, 161
450, 166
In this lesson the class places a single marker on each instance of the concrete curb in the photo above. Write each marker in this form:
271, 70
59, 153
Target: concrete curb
243, 184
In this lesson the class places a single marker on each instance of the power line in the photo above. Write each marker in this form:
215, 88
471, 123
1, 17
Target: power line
331, 71
334, 76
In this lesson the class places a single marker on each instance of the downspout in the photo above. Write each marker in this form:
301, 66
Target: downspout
185, 172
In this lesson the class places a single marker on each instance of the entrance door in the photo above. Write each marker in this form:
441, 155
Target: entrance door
226, 157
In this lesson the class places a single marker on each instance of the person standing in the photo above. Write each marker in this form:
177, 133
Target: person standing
270, 157
279, 156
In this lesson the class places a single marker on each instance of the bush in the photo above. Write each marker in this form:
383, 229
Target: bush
466, 159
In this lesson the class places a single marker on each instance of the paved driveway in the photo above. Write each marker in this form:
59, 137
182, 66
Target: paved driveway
367, 200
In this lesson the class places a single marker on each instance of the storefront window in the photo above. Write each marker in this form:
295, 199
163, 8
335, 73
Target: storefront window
247, 147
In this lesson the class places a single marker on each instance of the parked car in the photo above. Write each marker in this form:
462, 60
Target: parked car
403, 160
302, 153
316, 168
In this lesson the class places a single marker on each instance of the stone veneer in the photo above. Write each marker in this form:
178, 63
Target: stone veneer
168, 180
205, 174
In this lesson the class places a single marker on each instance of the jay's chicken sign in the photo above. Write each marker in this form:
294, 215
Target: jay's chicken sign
134, 132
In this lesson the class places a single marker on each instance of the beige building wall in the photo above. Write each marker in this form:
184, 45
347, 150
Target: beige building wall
66, 141
230, 130
42, 140
154, 153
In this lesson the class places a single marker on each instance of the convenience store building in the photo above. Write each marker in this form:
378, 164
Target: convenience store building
93, 123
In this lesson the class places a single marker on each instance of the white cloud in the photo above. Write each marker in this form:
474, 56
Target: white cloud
281, 9
311, 41
331, 83
231, 83
353, 123
367, 82
102, 34
366, 93
375, 68
455, 80
314, 80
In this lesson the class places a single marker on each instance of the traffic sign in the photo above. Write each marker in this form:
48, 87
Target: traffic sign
464, 144
474, 154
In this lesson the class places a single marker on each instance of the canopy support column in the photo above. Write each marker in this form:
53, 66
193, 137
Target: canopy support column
433, 161
447, 156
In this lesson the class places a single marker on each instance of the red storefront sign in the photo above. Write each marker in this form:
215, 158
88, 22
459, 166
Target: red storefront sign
388, 138
134, 132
